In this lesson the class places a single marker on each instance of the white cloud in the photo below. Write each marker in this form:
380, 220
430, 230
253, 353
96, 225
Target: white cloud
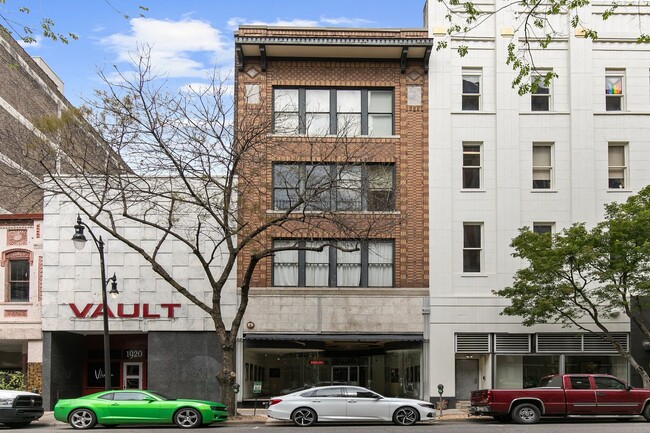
235, 22
347, 22
185, 48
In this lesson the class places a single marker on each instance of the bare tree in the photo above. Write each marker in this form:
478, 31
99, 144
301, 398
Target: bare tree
184, 168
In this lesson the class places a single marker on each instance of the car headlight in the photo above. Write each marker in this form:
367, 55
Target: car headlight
218, 407
427, 405
6, 401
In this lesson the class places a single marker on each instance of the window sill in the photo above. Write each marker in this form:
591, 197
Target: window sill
16, 303
543, 191
342, 212
473, 112
536, 113
472, 190
621, 113
366, 137
617, 190
473, 275
338, 291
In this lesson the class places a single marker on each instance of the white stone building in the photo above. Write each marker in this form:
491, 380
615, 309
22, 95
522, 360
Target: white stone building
500, 161
159, 339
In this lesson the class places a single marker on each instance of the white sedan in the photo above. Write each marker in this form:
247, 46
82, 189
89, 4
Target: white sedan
347, 403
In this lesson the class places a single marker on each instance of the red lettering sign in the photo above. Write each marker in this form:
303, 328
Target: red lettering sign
132, 311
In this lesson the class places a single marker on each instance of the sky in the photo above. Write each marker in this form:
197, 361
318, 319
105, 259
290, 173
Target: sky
189, 38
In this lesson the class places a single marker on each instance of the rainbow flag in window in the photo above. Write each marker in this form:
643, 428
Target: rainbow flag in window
614, 86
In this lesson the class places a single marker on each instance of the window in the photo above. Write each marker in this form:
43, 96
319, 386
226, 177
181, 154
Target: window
18, 280
580, 382
471, 89
540, 98
542, 166
341, 187
130, 396
617, 170
472, 247
543, 228
608, 383
471, 165
341, 263
317, 111
614, 88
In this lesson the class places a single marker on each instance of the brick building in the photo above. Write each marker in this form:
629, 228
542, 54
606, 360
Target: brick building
30, 93
349, 105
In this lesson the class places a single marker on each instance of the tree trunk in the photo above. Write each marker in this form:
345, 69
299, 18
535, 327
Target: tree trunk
226, 378
639, 369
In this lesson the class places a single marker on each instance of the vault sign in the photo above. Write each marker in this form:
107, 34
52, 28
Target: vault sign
125, 311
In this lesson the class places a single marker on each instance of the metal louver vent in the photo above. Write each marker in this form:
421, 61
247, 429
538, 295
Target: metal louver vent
547, 343
512, 343
593, 342
472, 343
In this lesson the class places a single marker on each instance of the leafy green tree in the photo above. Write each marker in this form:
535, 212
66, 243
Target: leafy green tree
584, 277
536, 24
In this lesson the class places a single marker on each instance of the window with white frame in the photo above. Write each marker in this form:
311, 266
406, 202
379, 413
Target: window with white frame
471, 165
471, 98
542, 166
614, 89
540, 95
617, 167
472, 247
329, 111
340, 187
18, 281
340, 263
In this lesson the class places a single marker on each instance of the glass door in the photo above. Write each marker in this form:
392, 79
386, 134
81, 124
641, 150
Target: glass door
345, 375
132, 375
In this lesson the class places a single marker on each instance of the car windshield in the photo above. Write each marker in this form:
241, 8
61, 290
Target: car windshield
161, 395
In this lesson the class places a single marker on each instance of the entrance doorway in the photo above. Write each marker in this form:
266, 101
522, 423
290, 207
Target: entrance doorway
466, 378
132, 375
345, 374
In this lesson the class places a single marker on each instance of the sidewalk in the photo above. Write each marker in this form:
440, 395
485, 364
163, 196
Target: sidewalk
258, 416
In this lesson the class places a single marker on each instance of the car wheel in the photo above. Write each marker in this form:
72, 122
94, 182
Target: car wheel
82, 419
646, 412
303, 417
187, 418
526, 413
405, 416
17, 424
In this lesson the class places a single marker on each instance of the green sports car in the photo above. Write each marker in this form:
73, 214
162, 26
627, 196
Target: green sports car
111, 408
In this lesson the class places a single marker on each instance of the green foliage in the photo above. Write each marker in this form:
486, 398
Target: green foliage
11, 21
13, 380
533, 25
583, 274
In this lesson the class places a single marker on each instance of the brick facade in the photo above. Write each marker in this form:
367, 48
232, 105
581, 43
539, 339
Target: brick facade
406, 149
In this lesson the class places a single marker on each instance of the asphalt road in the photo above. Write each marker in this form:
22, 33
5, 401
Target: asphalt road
469, 425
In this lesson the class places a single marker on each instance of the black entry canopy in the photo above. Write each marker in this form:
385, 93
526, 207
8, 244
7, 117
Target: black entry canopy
335, 337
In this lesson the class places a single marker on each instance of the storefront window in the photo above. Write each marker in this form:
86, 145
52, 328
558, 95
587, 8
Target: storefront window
524, 371
391, 372
614, 365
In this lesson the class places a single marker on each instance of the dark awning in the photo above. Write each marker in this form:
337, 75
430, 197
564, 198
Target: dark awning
335, 337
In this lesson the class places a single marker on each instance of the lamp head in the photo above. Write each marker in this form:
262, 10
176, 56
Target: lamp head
79, 238
114, 292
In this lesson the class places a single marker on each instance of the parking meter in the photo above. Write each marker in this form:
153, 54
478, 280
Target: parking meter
441, 389
235, 388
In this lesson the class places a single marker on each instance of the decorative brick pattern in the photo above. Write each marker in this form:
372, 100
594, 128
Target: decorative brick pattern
409, 225
16, 237
40, 279
15, 313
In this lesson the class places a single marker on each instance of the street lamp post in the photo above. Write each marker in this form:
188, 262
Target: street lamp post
79, 242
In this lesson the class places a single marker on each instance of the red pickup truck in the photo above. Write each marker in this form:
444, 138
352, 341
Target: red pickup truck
564, 395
